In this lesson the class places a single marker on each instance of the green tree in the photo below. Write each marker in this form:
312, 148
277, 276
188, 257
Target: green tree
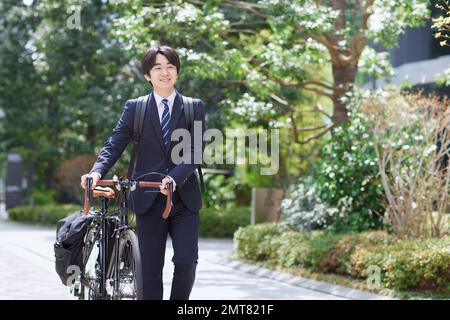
343, 28
273, 63
62, 88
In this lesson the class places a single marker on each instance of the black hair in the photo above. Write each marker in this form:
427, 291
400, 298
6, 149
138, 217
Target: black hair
149, 58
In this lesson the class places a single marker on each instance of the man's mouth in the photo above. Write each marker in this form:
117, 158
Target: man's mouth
165, 80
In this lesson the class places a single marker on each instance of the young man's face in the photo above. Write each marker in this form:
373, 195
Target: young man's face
163, 75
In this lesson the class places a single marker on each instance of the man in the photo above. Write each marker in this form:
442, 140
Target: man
161, 66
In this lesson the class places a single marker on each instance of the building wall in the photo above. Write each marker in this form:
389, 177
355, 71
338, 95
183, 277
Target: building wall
414, 45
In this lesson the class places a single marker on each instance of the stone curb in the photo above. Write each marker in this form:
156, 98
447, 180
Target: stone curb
320, 286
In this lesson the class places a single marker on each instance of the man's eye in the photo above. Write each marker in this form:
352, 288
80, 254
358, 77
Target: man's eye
157, 68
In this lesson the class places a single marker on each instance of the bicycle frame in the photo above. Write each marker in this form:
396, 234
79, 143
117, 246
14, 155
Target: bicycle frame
102, 235
109, 257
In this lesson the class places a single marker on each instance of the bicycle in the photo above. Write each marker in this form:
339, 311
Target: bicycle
111, 267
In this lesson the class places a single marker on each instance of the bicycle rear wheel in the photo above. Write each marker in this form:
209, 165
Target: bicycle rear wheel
126, 272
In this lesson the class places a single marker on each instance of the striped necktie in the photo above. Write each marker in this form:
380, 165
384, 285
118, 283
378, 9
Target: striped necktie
165, 122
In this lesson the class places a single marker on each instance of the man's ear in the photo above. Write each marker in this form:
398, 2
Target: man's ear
147, 77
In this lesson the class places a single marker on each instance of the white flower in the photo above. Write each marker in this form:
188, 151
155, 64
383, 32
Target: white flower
430, 149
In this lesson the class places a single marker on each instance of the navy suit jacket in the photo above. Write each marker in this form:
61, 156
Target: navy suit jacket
152, 156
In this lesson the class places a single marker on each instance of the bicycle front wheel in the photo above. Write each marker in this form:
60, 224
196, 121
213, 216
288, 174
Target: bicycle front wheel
90, 281
126, 271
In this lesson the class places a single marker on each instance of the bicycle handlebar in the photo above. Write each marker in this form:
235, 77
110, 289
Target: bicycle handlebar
119, 184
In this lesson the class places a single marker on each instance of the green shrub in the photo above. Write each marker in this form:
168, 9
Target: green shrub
222, 223
421, 265
339, 259
367, 256
257, 242
213, 223
42, 196
45, 214
321, 245
336, 259
409, 264
344, 193
293, 249
404, 265
225, 192
348, 171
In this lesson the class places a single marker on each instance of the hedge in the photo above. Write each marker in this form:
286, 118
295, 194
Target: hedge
42, 214
222, 223
213, 222
422, 265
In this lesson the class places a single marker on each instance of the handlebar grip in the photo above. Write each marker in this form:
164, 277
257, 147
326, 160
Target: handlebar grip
169, 203
87, 196
106, 183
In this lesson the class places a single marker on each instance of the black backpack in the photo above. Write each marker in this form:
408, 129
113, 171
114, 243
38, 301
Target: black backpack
141, 106
68, 247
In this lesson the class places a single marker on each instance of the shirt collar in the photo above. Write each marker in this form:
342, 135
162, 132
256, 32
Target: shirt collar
170, 98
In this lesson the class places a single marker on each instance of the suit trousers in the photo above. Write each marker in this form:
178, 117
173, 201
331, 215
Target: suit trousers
183, 226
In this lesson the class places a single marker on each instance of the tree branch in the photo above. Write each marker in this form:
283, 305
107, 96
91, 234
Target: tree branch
319, 92
279, 100
328, 127
249, 31
319, 83
306, 129
294, 127
321, 110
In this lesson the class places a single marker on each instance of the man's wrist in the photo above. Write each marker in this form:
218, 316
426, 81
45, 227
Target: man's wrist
96, 173
171, 179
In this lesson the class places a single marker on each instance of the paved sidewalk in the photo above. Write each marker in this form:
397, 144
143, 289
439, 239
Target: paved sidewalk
27, 264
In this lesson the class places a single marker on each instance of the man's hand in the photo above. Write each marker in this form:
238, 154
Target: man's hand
164, 183
95, 177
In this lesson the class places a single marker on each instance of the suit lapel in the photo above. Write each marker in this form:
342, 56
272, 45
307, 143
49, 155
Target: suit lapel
154, 119
174, 117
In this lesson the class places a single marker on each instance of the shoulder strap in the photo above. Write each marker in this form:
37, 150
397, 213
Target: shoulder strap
139, 115
188, 108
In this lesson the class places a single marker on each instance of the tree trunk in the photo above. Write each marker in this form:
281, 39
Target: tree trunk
344, 77
343, 73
